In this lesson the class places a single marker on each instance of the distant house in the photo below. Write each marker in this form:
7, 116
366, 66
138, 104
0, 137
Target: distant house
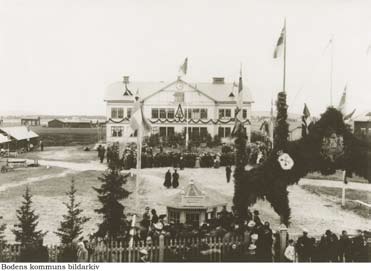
55, 123
71, 123
19, 137
362, 126
31, 121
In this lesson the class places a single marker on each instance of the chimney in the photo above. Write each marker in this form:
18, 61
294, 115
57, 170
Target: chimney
218, 80
126, 79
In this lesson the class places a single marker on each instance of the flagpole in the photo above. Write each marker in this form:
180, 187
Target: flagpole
284, 59
331, 69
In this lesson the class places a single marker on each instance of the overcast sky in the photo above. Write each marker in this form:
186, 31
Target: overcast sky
57, 57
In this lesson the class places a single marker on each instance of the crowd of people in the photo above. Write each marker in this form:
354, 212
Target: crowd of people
330, 248
256, 153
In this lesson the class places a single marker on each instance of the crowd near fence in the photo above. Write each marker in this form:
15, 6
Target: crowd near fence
163, 250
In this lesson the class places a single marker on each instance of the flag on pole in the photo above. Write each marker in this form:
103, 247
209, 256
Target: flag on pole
306, 121
265, 128
350, 115
343, 100
238, 112
138, 121
280, 43
183, 68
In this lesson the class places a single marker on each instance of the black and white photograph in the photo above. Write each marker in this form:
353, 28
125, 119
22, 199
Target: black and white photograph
170, 131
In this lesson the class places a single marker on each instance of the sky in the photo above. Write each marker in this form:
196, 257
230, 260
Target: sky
57, 57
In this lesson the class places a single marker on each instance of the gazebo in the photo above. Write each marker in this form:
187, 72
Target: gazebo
194, 206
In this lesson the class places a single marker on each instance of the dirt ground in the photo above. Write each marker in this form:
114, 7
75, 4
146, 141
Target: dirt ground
50, 182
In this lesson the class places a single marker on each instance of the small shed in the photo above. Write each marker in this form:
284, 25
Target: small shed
56, 123
194, 206
20, 137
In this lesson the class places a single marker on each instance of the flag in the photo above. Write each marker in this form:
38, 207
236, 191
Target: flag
305, 121
265, 128
138, 121
350, 115
343, 100
238, 113
183, 68
280, 42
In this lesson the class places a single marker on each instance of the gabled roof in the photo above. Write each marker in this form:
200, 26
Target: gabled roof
3, 139
19, 132
192, 197
216, 92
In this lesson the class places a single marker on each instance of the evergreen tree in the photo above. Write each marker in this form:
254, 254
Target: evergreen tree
240, 160
71, 226
281, 130
110, 193
25, 231
2, 236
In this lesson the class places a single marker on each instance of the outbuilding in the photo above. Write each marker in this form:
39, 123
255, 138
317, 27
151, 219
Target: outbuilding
195, 206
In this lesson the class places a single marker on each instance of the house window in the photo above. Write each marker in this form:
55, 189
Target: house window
170, 113
193, 219
120, 113
166, 131
114, 113
128, 113
196, 113
162, 113
203, 132
155, 114
224, 131
203, 113
174, 216
225, 113
163, 131
117, 131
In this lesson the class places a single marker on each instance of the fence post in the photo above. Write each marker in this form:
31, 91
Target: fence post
283, 241
161, 247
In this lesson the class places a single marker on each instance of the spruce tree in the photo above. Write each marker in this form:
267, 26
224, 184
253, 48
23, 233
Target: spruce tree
71, 226
2, 236
281, 130
110, 193
25, 231
240, 161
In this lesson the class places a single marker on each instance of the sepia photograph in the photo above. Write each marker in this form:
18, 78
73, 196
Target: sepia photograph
178, 131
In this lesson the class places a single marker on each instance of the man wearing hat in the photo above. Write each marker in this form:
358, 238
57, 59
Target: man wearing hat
304, 247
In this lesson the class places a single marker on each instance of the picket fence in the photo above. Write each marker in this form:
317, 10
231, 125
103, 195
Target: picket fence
160, 251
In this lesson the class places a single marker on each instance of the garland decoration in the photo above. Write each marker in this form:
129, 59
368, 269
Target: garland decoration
190, 121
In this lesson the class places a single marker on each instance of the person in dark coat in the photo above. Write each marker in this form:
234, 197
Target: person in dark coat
234, 255
304, 247
228, 172
329, 245
109, 154
345, 247
41, 145
154, 218
264, 244
175, 179
181, 162
167, 182
359, 248
257, 219
101, 153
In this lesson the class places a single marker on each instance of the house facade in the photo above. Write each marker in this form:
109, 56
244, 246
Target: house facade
171, 107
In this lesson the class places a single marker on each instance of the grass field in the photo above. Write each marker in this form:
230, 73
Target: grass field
68, 136
70, 154
334, 194
338, 176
